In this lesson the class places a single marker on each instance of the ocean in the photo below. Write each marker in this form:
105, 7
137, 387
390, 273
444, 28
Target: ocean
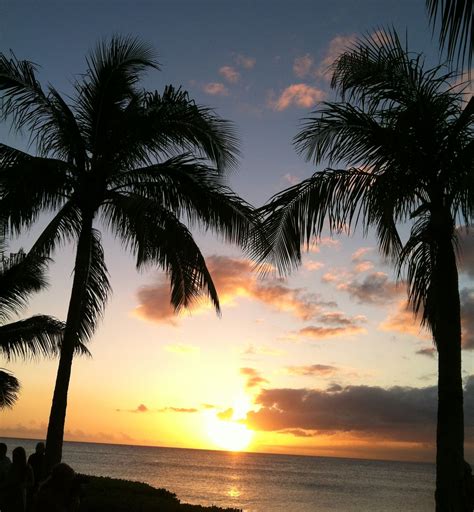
260, 482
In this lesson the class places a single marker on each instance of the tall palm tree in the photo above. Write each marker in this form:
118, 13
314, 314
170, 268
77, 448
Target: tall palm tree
39, 335
143, 164
405, 140
456, 27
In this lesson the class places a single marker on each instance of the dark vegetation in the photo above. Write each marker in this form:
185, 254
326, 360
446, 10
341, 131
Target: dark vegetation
102, 494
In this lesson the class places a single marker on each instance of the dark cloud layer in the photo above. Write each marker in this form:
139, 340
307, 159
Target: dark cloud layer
401, 414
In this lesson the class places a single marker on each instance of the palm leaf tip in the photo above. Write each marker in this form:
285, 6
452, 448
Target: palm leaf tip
456, 26
9, 388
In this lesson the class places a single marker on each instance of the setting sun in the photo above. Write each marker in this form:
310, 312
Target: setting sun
229, 435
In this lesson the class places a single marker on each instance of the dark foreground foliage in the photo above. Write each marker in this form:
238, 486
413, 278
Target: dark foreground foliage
103, 494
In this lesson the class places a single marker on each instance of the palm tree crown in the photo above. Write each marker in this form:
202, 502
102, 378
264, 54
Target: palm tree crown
147, 165
405, 139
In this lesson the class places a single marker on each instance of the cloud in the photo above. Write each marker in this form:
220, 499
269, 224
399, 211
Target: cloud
255, 350
466, 251
182, 348
178, 409
296, 95
20, 431
464, 84
404, 321
313, 265
396, 413
302, 65
312, 370
427, 351
321, 332
226, 415
216, 89
230, 74
467, 318
359, 255
234, 278
336, 46
142, 408
245, 61
154, 304
375, 288
292, 180
253, 378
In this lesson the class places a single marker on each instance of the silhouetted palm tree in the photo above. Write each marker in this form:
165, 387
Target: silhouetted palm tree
142, 163
39, 335
406, 141
456, 27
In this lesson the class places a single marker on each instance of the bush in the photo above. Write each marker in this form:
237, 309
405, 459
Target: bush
103, 494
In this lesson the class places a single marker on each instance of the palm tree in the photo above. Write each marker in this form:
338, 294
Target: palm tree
457, 27
406, 141
39, 335
142, 163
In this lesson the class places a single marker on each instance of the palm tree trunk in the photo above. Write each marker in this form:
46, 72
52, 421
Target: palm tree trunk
57, 418
450, 493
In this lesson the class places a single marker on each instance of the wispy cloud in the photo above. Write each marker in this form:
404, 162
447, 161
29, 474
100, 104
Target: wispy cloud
375, 288
427, 351
302, 65
291, 179
260, 350
142, 408
404, 321
245, 61
313, 265
253, 378
321, 332
336, 46
296, 95
216, 89
230, 74
312, 370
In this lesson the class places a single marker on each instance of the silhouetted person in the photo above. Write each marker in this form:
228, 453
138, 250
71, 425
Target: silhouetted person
5, 464
59, 492
35, 460
19, 479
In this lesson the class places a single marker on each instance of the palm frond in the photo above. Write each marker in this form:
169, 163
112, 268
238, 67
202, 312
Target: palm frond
172, 121
30, 185
64, 227
9, 388
193, 190
18, 279
156, 237
456, 19
96, 290
39, 335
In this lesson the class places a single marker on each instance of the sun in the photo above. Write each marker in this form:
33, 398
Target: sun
229, 433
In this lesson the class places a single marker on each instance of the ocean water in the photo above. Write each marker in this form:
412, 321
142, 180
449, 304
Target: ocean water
260, 482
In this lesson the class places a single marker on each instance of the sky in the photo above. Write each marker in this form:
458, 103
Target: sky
326, 362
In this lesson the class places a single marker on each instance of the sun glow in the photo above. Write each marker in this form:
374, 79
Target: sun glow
229, 433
